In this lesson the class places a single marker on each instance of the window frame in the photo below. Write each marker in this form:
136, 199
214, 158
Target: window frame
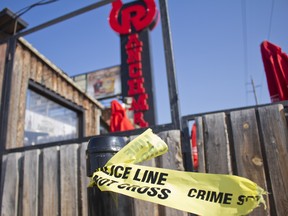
56, 98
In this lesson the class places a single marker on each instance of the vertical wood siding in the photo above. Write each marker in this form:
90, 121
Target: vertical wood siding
3, 48
29, 66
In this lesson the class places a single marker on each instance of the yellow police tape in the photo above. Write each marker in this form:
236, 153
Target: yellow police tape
199, 193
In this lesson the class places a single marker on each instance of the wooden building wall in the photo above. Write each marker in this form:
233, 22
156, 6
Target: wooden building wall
3, 48
29, 64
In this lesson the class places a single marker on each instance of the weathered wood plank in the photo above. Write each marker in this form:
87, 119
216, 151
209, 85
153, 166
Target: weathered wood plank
275, 138
39, 69
68, 180
46, 76
98, 113
171, 160
216, 144
200, 145
10, 185
59, 85
30, 183
93, 119
69, 94
247, 146
88, 122
54, 81
84, 180
76, 96
80, 99
3, 48
141, 207
33, 67
22, 99
14, 100
85, 103
64, 89
50, 185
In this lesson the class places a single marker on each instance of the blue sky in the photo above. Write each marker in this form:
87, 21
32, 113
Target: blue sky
216, 47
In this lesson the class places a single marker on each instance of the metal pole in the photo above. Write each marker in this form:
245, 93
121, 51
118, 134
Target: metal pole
100, 149
6, 90
5, 99
254, 91
170, 68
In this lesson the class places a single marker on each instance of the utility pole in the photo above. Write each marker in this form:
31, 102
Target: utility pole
254, 90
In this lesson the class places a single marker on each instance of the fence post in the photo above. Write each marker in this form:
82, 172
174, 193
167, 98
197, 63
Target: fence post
100, 149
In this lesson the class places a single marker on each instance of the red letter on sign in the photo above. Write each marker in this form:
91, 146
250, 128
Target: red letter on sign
140, 104
133, 42
136, 86
135, 70
134, 55
138, 119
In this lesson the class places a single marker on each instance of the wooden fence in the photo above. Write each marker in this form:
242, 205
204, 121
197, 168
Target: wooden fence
252, 143
52, 181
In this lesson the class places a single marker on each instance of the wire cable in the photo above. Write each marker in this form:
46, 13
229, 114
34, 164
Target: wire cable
270, 20
26, 9
268, 38
23, 11
244, 34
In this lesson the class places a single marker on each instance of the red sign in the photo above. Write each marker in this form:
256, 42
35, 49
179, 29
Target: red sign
136, 81
138, 16
129, 20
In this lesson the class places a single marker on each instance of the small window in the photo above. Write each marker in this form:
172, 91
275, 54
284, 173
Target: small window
47, 121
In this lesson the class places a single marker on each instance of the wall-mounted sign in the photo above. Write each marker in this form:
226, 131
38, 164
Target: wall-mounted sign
133, 21
102, 83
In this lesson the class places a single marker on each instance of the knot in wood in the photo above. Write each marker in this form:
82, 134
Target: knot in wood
245, 125
257, 161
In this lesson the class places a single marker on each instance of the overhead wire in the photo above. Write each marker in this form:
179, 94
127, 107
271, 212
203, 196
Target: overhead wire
25, 10
268, 38
245, 50
40, 3
270, 20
